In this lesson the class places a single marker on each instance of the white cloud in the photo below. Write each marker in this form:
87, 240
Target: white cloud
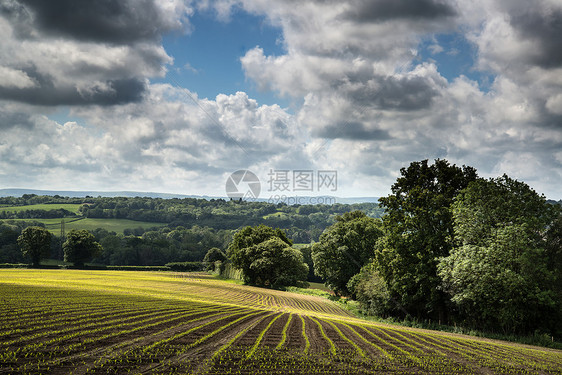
169, 134
436, 49
370, 104
105, 60
15, 78
356, 91
554, 104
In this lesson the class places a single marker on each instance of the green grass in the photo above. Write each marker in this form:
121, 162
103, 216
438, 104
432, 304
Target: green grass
276, 214
69, 207
111, 225
319, 286
115, 225
54, 225
309, 291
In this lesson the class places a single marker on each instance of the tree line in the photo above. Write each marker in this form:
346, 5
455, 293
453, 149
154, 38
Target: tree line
192, 226
79, 247
145, 248
36, 214
454, 248
303, 223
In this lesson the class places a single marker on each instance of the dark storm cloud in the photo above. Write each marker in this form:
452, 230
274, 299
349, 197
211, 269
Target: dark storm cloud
353, 130
81, 52
111, 21
117, 91
404, 94
382, 10
545, 29
15, 120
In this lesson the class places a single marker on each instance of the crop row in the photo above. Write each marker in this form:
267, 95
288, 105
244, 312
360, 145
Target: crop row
250, 344
220, 292
201, 325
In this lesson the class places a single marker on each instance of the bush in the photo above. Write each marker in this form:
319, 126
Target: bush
186, 266
213, 256
370, 290
14, 265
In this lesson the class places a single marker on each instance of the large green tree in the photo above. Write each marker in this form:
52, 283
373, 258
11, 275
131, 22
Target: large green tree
253, 251
418, 228
344, 248
276, 264
80, 246
504, 271
35, 243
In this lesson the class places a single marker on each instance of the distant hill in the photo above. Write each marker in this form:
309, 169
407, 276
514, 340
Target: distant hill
109, 194
358, 200
302, 200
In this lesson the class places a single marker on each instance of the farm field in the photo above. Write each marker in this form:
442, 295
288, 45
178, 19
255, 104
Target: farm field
115, 225
116, 322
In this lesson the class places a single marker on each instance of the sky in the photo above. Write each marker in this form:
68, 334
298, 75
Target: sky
323, 97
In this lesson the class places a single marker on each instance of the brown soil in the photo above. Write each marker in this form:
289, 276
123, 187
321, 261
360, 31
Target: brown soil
295, 340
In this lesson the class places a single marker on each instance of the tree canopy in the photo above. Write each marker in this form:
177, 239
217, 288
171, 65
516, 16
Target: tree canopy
418, 228
80, 246
450, 246
344, 248
276, 264
503, 272
266, 257
35, 243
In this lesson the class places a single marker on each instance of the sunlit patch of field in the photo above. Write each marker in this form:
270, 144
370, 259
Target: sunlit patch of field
70, 321
112, 225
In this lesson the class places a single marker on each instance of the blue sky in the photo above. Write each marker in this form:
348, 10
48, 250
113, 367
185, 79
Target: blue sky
207, 70
454, 56
174, 96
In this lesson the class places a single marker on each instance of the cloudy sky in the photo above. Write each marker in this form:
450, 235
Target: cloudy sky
173, 96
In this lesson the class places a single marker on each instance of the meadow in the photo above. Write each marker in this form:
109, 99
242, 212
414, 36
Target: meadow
80, 222
112, 225
116, 322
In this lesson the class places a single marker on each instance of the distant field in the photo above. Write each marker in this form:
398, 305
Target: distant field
69, 207
111, 322
276, 214
115, 225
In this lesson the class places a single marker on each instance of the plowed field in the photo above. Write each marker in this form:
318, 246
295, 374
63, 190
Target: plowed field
110, 322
